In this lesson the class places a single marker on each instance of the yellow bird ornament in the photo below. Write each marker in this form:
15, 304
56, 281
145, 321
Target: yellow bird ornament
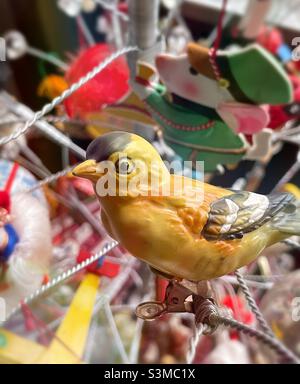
183, 228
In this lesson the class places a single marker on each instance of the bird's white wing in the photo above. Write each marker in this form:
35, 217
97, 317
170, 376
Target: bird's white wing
242, 212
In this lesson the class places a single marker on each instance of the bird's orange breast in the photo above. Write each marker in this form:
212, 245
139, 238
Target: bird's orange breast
165, 232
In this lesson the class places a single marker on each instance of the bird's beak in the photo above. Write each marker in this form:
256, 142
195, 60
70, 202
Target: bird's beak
87, 170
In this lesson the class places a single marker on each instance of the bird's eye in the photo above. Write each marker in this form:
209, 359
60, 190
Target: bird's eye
193, 71
124, 166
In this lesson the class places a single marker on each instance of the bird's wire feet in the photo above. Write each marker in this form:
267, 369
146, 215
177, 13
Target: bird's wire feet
197, 298
184, 297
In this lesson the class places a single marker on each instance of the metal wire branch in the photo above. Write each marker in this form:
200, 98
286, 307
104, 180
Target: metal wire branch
252, 304
58, 100
63, 277
271, 342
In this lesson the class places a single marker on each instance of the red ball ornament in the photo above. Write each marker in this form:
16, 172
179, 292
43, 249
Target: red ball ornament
296, 86
108, 87
271, 39
278, 114
240, 312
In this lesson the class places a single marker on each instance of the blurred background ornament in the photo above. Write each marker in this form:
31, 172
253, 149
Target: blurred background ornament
281, 308
28, 249
16, 45
228, 351
52, 86
73, 7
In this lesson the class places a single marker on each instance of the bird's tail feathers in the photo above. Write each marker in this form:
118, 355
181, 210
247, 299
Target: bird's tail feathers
288, 220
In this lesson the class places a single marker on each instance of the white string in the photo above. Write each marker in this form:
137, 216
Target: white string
85, 30
194, 341
49, 107
117, 30
112, 9
116, 334
47, 180
253, 284
47, 57
136, 342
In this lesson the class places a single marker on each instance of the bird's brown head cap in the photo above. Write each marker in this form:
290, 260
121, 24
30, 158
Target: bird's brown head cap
104, 146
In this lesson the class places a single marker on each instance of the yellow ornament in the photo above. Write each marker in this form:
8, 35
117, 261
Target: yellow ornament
52, 86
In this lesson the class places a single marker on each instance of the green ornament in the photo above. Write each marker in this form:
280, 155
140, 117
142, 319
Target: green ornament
195, 132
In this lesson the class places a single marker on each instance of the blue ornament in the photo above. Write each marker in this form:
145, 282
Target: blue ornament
13, 240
